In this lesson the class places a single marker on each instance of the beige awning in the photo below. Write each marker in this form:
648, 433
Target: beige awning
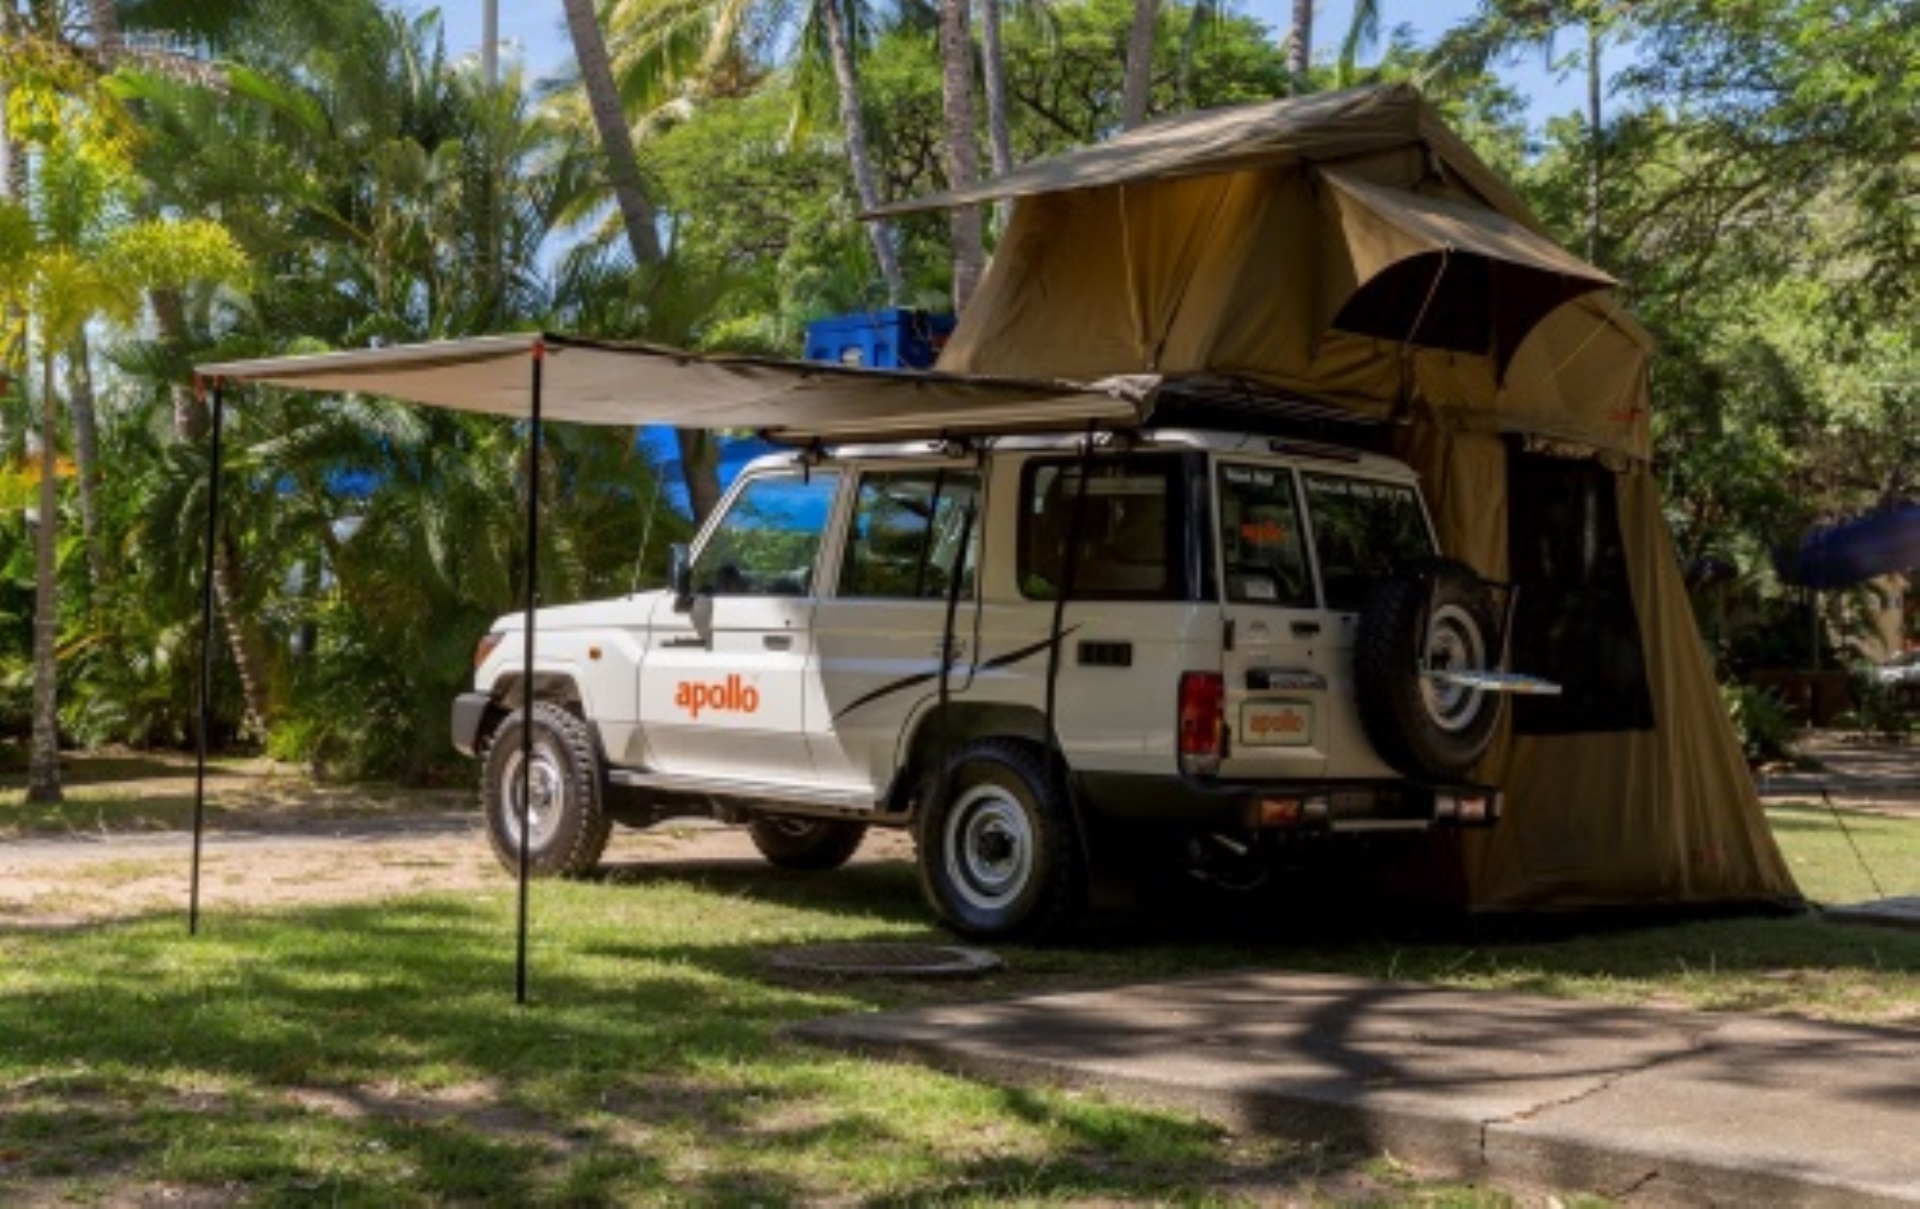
1436, 273
591, 382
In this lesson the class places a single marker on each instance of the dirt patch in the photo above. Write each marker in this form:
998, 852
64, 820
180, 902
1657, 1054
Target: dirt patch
281, 841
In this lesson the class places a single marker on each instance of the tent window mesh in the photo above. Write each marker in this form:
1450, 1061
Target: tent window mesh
1575, 622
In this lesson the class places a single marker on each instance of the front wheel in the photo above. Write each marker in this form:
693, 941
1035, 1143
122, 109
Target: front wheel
813, 844
999, 856
566, 817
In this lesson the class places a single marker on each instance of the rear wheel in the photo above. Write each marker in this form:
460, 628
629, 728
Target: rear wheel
793, 843
999, 856
1435, 615
566, 818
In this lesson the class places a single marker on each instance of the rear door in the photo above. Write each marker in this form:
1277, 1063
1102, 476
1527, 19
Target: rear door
1287, 655
880, 629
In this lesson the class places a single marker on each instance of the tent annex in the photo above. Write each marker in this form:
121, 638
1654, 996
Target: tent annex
1347, 247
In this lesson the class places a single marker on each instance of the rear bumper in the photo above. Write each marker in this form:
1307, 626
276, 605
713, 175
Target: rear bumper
1350, 806
473, 716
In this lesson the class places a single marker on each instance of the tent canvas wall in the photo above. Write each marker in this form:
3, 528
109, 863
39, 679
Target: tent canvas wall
1348, 247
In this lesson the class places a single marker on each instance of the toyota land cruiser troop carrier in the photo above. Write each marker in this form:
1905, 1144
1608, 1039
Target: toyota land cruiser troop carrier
1022, 649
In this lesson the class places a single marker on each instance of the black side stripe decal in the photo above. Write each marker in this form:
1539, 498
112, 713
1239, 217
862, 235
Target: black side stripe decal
919, 678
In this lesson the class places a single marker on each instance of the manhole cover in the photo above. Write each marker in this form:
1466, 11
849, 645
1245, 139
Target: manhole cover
887, 961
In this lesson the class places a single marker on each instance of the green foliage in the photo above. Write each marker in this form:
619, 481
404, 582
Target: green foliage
1879, 711
1760, 722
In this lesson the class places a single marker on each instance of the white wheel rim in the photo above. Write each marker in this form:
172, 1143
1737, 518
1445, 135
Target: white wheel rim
989, 848
1454, 643
549, 790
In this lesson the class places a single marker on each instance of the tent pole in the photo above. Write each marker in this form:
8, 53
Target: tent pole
526, 678
206, 657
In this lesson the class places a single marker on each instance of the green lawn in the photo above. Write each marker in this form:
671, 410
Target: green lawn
372, 1054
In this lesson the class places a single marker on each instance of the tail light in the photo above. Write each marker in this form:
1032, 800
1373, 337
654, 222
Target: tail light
485, 647
1203, 725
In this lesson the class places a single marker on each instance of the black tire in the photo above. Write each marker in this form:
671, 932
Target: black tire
1439, 613
999, 855
796, 843
569, 827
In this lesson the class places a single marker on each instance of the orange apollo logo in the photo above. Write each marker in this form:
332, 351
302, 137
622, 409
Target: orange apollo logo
730, 696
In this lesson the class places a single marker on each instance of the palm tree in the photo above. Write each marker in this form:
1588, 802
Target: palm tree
1507, 27
71, 264
993, 77
699, 458
671, 50
834, 21
1300, 43
963, 148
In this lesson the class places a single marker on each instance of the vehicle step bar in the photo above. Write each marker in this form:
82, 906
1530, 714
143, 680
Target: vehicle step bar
792, 799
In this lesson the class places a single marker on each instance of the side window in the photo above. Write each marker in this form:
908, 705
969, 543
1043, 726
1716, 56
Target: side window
766, 543
1263, 544
907, 528
1362, 529
1127, 544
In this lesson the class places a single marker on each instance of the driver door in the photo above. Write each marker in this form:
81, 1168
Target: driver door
723, 686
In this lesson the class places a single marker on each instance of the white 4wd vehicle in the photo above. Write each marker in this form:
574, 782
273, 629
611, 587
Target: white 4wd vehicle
1037, 653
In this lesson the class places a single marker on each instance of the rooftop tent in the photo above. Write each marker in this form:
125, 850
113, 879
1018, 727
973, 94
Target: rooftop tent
1348, 248
1344, 245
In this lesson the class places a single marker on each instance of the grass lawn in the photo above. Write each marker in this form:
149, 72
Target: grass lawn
371, 1054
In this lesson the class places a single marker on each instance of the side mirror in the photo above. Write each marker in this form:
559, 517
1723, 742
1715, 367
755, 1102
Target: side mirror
680, 577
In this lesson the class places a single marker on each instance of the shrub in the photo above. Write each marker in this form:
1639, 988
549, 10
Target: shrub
1760, 721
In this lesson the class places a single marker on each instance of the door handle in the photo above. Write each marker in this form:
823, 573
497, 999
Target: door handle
693, 641
1304, 629
777, 642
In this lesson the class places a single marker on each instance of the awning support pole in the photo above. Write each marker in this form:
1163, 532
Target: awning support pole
206, 657
526, 678
1070, 563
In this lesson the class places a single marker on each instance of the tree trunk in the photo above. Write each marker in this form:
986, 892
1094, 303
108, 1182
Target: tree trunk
994, 75
1300, 43
1137, 88
104, 23
1594, 150
963, 150
623, 173
616, 140
43, 758
86, 451
853, 128
192, 421
697, 447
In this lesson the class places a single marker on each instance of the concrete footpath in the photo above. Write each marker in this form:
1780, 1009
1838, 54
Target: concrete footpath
1647, 1106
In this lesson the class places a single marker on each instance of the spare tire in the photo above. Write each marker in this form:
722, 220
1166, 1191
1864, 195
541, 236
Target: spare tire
1435, 614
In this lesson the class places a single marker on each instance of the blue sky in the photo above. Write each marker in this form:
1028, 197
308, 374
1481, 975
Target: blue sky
538, 26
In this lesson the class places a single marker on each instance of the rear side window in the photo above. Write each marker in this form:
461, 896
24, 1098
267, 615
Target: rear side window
1263, 544
1362, 530
907, 528
1127, 544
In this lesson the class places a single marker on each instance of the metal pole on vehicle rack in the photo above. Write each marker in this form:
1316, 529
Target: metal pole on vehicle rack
526, 676
206, 656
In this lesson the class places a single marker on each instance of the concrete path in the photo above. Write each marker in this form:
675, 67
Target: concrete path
1649, 1106
1852, 772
